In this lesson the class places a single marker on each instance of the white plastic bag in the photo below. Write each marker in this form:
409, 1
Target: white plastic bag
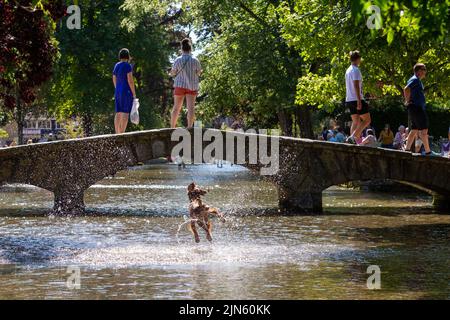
134, 115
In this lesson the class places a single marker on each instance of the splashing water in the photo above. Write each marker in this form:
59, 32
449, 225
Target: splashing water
146, 253
187, 221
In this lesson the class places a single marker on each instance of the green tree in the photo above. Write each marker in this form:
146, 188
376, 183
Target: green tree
249, 68
325, 31
411, 19
254, 64
273, 62
27, 53
82, 85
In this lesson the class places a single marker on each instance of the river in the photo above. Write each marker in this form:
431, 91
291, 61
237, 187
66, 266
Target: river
129, 246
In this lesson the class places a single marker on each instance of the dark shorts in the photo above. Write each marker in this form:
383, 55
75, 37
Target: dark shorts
418, 117
353, 106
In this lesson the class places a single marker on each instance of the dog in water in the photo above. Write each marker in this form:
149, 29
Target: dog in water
199, 212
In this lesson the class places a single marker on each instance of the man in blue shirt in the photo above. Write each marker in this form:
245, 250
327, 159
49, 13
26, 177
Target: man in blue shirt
415, 102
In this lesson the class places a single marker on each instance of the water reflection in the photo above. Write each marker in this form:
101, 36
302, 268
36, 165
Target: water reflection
132, 250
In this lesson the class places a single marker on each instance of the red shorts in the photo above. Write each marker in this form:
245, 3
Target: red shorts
184, 92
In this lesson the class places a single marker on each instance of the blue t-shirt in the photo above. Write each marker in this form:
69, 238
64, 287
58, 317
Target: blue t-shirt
417, 91
121, 71
333, 139
340, 137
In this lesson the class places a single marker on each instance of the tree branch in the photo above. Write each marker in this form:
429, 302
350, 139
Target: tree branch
172, 18
253, 15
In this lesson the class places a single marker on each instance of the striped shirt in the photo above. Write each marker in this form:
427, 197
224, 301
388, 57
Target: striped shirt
187, 68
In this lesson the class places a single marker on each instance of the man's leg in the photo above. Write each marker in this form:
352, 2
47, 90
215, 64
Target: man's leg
411, 138
423, 135
355, 122
178, 104
365, 121
190, 103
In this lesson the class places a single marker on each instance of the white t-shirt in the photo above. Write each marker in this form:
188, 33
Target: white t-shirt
353, 73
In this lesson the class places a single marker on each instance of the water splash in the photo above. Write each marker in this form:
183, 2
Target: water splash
205, 254
187, 221
138, 186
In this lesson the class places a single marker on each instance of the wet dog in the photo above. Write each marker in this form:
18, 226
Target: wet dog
199, 212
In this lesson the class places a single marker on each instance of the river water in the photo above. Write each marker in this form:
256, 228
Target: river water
130, 246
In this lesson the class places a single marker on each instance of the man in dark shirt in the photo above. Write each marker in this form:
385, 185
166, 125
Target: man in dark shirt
415, 102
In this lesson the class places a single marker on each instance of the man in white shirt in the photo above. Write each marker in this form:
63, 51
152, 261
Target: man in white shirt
359, 108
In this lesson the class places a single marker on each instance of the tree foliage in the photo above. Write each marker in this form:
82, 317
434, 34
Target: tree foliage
325, 31
27, 48
82, 85
27, 52
410, 19
268, 62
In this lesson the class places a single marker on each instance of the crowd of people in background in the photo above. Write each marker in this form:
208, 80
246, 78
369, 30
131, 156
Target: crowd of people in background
44, 138
385, 139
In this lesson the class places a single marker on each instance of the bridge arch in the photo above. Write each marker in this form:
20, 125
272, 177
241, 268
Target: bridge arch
405, 190
16, 196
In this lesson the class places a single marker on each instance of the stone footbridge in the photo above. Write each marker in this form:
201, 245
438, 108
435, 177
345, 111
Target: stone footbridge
306, 168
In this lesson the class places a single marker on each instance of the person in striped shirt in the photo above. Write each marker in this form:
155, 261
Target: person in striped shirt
186, 71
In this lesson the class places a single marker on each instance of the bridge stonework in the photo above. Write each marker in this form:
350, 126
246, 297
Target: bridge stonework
306, 168
310, 167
